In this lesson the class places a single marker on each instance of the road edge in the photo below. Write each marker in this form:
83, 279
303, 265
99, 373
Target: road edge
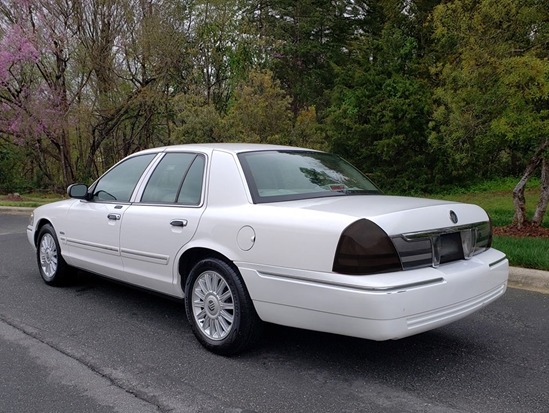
529, 279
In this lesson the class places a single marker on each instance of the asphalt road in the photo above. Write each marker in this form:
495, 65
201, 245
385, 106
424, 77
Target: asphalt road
97, 346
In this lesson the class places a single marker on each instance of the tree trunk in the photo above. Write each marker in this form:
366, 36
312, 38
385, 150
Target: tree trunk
543, 196
519, 200
66, 159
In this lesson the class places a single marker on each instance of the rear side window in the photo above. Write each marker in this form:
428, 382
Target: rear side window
176, 179
191, 190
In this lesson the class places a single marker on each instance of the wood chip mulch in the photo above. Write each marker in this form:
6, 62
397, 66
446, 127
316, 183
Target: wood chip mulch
12, 197
527, 230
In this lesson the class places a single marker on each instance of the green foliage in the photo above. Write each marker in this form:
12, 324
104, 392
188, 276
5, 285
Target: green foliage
307, 132
308, 37
380, 110
259, 112
13, 177
495, 185
493, 96
194, 120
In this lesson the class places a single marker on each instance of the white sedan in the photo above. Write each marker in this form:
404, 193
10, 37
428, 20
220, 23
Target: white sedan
258, 233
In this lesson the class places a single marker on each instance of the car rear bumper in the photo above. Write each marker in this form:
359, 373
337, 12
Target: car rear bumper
377, 307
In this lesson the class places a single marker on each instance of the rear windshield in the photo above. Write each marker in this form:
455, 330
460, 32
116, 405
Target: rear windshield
274, 176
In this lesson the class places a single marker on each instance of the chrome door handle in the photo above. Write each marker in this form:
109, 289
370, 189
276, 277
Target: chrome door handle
179, 223
114, 217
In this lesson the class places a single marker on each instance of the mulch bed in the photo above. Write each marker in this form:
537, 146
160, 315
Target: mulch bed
12, 197
527, 230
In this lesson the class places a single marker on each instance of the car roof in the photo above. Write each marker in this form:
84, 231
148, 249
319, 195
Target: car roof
227, 147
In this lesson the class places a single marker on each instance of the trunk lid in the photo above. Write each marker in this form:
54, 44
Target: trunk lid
394, 214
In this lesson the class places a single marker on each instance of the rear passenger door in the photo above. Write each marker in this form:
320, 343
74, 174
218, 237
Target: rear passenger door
163, 220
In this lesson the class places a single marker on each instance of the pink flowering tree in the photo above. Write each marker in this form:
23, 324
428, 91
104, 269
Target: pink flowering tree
34, 57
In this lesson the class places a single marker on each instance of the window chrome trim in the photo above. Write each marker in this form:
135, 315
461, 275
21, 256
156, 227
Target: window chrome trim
140, 187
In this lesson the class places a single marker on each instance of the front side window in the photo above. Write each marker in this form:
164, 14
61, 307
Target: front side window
176, 179
290, 175
118, 183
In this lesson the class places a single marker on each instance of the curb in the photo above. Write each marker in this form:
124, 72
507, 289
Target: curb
524, 278
16, 210
529, 279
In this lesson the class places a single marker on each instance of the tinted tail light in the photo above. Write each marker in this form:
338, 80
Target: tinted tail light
364, 248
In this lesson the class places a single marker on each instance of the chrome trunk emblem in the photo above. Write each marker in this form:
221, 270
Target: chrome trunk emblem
453, 217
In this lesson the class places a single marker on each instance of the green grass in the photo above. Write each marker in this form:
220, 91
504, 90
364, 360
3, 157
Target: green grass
31, 200
525, 252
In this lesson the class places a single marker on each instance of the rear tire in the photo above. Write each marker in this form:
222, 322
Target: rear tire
219, 308
53, 268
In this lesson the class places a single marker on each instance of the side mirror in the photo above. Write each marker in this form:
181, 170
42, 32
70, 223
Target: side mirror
78, 191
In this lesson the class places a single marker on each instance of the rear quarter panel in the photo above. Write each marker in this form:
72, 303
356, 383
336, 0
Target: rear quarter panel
284, 237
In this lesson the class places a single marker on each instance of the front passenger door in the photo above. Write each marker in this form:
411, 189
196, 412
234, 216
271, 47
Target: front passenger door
92, 233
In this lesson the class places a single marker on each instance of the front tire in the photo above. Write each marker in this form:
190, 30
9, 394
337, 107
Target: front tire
53, 268
219, 308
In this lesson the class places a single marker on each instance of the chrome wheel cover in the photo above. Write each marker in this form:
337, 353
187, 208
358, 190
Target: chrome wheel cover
48, 256
213, 305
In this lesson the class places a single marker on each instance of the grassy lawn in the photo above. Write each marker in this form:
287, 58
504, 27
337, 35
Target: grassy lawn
31, 200
525, 252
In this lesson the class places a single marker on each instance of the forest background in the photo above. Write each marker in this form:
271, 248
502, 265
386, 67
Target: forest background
425, 96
